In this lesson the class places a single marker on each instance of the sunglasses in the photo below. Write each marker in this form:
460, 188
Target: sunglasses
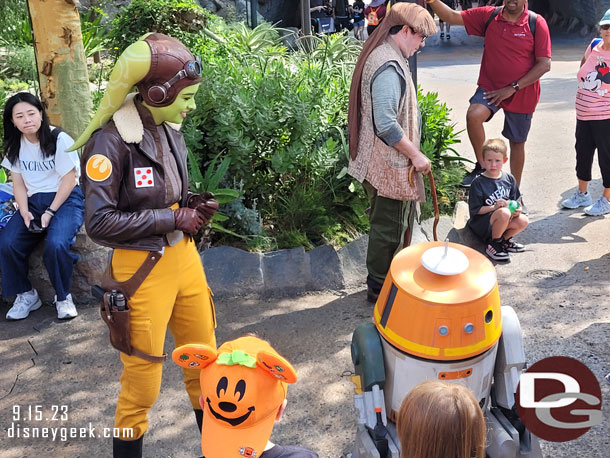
605, 27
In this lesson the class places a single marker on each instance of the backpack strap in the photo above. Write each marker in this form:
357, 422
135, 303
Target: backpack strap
532, 20
595, 42
491, 18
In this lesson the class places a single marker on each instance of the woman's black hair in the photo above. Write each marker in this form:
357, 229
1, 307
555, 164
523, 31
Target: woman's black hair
12, 135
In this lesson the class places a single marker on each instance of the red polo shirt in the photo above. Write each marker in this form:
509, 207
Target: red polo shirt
510, 52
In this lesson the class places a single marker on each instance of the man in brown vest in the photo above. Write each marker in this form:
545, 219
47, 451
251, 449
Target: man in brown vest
384, 133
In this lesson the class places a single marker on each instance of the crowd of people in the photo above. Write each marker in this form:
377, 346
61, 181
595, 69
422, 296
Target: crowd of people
131, 189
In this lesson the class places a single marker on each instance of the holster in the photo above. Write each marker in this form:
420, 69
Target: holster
118, 321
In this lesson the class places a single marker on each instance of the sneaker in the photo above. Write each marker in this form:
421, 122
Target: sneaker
442, 35
24, 304
469, 178
578, 199
448, 37
66, 310
496, 251
513, 247
599, 208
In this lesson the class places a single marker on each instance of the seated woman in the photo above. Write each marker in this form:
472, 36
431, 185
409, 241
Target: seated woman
51, 206
441, 420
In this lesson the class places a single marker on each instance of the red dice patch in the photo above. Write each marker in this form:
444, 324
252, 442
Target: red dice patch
143, 177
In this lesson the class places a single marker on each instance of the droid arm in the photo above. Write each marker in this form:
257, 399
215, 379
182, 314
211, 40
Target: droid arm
510, 360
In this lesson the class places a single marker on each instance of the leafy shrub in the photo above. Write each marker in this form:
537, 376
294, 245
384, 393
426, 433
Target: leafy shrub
437, 135
180, 19
94, 34
281, 118
15, 26
18, 62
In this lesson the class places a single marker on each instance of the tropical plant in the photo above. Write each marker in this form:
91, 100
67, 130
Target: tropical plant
437, 135
15, 26
183, 20
93, 32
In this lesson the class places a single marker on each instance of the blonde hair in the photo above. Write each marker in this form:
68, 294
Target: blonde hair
496, 145
441, 420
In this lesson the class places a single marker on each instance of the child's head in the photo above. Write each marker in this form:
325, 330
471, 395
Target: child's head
243, 392
441, 420
494, 155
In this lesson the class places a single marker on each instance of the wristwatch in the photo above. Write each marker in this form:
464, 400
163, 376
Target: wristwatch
515, 85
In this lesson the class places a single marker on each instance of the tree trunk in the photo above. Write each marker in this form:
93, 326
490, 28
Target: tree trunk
62, 66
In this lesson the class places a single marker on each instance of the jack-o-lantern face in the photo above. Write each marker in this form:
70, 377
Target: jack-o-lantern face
229, 402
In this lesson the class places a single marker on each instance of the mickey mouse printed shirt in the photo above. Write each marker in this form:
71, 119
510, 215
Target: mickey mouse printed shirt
592, 97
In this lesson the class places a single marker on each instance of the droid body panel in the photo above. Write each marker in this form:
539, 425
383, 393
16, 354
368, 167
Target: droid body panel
438, 317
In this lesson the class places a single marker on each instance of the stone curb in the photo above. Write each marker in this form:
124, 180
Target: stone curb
234, 272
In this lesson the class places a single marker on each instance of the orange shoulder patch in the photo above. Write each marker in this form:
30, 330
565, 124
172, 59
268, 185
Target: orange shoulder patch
98, 168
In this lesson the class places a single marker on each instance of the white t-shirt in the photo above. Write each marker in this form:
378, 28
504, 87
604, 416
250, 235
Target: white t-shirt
43, 174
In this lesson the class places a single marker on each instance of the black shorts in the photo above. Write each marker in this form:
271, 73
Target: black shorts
516, 125
481, 225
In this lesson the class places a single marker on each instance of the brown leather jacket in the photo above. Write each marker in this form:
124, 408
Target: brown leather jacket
121, 210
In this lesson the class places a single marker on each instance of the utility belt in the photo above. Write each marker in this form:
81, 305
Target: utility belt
114, 306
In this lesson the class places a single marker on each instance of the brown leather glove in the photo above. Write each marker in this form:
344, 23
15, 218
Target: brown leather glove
204, 203
188, 220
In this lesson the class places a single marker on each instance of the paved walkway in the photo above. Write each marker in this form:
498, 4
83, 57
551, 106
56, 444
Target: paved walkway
559, 288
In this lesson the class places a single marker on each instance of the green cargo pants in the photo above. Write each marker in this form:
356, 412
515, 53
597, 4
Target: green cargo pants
389, 220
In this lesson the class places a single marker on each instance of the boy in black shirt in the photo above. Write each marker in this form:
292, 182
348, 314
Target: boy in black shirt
495, 214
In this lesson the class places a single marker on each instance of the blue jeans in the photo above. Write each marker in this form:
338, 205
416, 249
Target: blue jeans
17, 243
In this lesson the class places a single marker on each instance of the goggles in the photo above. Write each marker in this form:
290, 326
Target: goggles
191, 70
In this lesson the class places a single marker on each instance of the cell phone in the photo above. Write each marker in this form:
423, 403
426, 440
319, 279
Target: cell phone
36, 227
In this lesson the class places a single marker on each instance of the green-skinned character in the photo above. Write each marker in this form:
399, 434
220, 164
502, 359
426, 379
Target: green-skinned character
137, 201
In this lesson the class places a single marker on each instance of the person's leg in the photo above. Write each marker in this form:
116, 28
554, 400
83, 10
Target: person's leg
516, 130
151, 308
517, 160
16, 245
496, 248
61, 235
585, 150
516, 225
479, 111
500, 220
387, 227
448, 31
441, 26
193, 319
600, 135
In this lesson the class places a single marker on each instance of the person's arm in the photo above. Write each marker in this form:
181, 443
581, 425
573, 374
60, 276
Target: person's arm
492, 208
21, 197
386, 92
543, 65
445, 13
66, 185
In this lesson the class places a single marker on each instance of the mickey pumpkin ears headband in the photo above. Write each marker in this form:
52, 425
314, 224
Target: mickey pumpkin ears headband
196, 356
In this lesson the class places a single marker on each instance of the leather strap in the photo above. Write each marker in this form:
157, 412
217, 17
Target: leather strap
147, 357
129, 287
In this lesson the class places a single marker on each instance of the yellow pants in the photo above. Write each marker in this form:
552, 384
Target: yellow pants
175, 294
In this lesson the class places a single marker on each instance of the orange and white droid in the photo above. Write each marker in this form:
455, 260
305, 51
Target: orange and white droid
438, 317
